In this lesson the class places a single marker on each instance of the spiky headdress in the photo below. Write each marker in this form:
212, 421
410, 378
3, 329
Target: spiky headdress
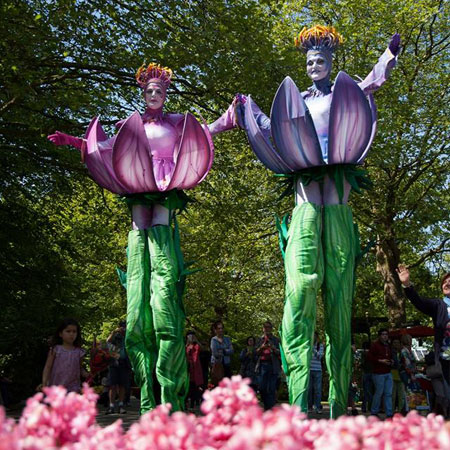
318, 37
153, 72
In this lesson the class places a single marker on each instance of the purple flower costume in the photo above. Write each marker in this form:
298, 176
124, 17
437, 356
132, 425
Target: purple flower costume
317, 138
150, 161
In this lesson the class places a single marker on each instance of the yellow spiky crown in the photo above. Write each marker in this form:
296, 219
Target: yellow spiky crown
154, 72
318, 37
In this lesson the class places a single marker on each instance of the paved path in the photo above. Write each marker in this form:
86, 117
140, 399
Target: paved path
131, 416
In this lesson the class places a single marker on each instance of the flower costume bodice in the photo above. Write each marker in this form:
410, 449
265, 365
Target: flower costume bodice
310, 130
152, 153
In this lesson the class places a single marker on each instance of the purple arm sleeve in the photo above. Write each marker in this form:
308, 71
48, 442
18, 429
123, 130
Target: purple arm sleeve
262, 120
379, 73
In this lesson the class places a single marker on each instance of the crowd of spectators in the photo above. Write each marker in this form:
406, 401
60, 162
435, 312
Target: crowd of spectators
385, 377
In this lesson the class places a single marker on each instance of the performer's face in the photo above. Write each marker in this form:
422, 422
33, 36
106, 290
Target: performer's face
318, 65
154, 96
446, 287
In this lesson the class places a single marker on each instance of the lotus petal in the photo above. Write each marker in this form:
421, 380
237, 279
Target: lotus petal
131, 157
192, 157
293, 129
350, 122
99, 162
211, 146
260, 143
373, 110
101, 135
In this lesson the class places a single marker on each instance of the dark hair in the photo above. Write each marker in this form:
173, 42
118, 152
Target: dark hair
250, 337
57, 340
190, 332
216, 324
267, 322
382, 330
446, 275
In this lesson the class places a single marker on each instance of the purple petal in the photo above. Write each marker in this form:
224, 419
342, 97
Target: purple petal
292, 128
260, 143
101, 135
131, 157
373, 110
193, 157
350, 122
211, 146
99, 162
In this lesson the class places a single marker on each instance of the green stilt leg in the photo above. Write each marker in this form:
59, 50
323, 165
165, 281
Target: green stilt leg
140, 338
168, 317
340, 244
304, 275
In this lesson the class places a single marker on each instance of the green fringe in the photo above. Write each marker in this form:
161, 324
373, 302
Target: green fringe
356, 176
174, 199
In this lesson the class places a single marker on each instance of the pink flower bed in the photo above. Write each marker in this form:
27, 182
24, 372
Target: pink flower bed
231, 420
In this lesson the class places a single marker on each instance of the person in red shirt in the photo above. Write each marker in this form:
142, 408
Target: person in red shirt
193, 349
380, 355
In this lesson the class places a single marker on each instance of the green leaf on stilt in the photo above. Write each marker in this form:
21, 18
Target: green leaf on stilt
122, 277
282, 227
182, 265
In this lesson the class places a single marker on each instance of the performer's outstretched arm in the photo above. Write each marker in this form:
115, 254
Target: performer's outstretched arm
382, 69
59, 138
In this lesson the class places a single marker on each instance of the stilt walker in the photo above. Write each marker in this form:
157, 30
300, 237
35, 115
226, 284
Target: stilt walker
149, 163
319, 138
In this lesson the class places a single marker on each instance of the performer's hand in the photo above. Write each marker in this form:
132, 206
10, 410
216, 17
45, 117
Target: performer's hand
394, 45
240, 98
59, 138
403, 275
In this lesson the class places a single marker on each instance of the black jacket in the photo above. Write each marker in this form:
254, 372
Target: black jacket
436, 308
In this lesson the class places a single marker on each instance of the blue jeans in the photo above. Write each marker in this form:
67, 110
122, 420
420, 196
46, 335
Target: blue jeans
383, 387
267, 384
315, 389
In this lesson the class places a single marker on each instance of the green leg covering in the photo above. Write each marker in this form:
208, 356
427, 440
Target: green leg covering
340, 244
140, 338
168, 317
304, 274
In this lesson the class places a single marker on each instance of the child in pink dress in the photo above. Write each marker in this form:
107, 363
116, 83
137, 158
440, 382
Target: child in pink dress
63, 366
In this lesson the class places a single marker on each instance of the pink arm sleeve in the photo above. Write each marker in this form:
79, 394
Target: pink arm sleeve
59, 138
379, 73
227, 121
77, 142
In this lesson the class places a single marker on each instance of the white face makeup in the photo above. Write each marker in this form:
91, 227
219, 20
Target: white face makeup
318, 66
154, 96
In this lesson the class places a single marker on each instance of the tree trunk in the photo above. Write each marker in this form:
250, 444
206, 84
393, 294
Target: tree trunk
388, 258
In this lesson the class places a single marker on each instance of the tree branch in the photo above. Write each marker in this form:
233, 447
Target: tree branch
434, 251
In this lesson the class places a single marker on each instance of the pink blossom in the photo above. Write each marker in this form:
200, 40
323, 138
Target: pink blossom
232, 420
